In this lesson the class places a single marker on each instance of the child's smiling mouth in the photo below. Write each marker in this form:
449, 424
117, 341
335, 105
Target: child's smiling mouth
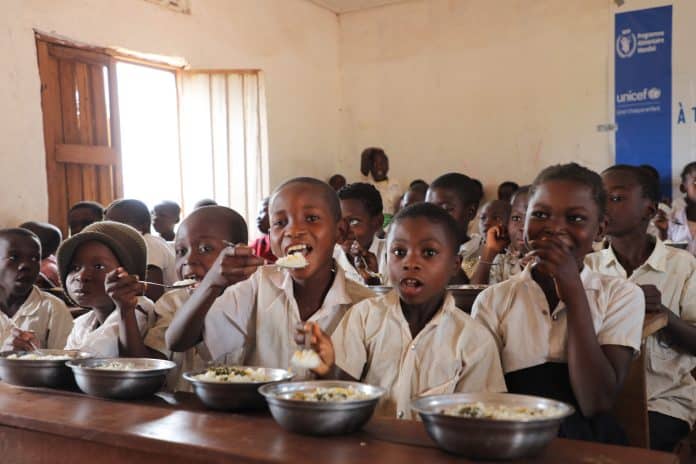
301, 248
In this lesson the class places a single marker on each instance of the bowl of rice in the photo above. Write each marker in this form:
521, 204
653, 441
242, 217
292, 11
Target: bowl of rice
491, 425
322, 407
120, 378
230, 388
43, 369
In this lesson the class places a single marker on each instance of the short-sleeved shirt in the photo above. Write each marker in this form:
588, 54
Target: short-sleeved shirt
160, 254
45, 315
505, 265
378, 248
254, 321
670, 386
679, 230
529, 333
470, 253
389, 190
102, 340
452, 353
192, 359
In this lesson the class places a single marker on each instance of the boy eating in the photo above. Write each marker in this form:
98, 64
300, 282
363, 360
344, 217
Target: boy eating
165, 216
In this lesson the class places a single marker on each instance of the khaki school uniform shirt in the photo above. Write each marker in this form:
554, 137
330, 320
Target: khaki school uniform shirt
453, 353
45, 315
102, 340
192, 359
504, 266
670, 386
254, 321
470, 252
529, 333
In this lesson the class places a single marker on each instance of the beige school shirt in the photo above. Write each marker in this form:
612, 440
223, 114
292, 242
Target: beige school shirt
254, 321
192, 359
505, 265
102, 340
470, 253
45, 315
453, 353
529, 333
670, 386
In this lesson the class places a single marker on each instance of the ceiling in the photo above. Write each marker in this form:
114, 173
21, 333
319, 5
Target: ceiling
344, 6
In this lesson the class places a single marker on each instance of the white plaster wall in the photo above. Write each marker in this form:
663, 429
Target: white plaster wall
294, 42
497, 90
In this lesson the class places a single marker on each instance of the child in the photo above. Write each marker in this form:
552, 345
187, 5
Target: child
199, 240
362, 254
509, 261
459, 196
262, 245
204, 202
84, 213
337, 182
415, 193
99, 269
506, 190
682, 225
374, 163
413, 341
29, 318
164, 217
50, 237
493, 222
160, 257
564, 331
670, 277
253, 321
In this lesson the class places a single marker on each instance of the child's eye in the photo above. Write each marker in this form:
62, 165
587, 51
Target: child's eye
576, 219
516, 218
279, 223
203, 249
354, 222
75, 268
400, 252
615, 198
181, 252
430, 252
312, 218
539, 215
12, 257
99, 267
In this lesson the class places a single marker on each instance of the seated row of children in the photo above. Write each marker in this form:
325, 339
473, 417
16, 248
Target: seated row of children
565, 324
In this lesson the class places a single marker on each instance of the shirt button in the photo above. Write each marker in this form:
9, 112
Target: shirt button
554, 317
400, 414
545, 312
413, 347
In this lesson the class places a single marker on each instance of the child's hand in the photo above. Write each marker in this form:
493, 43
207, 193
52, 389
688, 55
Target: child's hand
660, 220
362, 257
123, 288
233, 264
553, 257
653, 299
497, 239
24, 340
319, 342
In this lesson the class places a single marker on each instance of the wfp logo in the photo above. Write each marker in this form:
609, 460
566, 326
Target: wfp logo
626, 44
638, 96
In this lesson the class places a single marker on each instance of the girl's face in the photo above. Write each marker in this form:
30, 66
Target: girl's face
380, 167
565, 210
91, 263
516, 222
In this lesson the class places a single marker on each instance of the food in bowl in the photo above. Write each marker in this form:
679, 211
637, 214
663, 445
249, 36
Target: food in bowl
330, 394
118, 366
40, 357
480, 410
233, 374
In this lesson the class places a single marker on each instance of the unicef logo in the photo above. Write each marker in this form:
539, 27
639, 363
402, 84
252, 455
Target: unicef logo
654, 93
626, 44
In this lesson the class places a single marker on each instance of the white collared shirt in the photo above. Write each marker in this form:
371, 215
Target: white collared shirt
254, 321
160, 254
45, 315
670, 386
452, 353
102, 340
678, 230
528, 333
192, 359
378, 247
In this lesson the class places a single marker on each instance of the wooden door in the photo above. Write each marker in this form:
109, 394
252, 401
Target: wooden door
81, 127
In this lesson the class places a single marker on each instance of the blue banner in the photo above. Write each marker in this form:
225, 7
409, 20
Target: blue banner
643, 90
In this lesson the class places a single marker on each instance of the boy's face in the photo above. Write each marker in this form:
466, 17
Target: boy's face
565, 210
450, 202
627, 209
516, 222
20, 258
163, 220
90, 264
80, 218
361, 226
199, 240
300, 215
495, 213
262, 218
380, 166
688, 187
421, 260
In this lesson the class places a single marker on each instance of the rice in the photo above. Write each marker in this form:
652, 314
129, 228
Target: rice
40, 357
480, 410
233, 374
331, 394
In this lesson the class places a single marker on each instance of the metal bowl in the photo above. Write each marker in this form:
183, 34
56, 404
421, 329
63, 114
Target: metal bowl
228, 396
478, 438
145, 378
380, 289
680, 245
320, 418
464, 295
38, 372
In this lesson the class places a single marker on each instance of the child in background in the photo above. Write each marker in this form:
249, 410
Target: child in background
459, 195
84, 213
199, 240
415, 193
668, 277
564, 331
50, 237
375, 164
204, 202
362, 254
413, 341
262, 245
165, 216
506, 190
99, 269
29, 318
160, 257
253, 322
493, 223
337, 182
682, 224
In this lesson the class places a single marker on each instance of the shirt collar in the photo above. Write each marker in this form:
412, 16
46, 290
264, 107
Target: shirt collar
337, 294
657, 259
590, 280
31, 305
448, 305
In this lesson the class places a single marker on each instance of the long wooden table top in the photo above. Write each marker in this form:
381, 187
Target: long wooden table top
179, 426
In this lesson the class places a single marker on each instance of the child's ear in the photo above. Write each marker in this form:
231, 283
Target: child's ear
457, 265
341, 230
377, 221
682, 188
601, 228
471, 211
650, 209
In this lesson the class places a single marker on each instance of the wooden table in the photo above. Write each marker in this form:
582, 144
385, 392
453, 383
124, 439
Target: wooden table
49, 426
